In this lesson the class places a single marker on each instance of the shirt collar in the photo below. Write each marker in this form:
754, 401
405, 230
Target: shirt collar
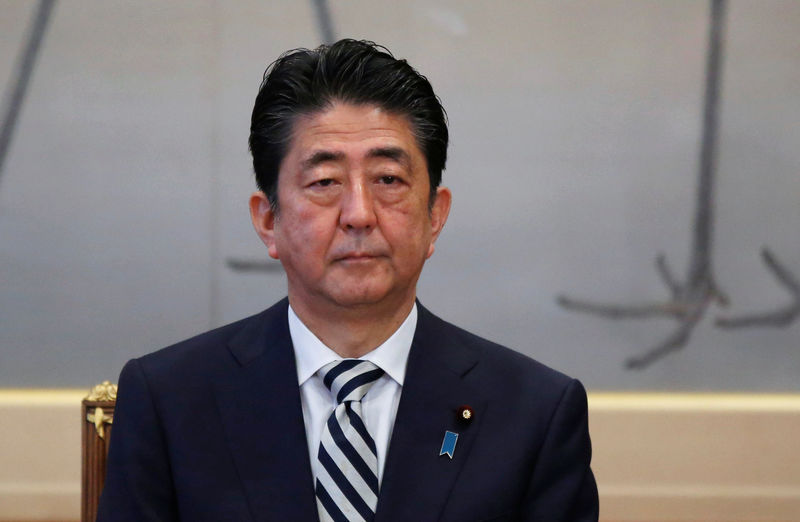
311, 354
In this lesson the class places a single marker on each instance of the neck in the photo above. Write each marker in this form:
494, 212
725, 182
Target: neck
352, 332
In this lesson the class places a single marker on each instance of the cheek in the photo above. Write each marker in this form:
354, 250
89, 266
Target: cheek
303, 234
409, 233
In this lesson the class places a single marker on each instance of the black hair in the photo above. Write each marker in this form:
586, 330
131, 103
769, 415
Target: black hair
303, 81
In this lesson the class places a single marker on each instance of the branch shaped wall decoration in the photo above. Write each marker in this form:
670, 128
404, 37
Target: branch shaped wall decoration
689, 299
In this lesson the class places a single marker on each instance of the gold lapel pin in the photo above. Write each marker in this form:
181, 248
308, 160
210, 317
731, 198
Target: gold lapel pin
466, 413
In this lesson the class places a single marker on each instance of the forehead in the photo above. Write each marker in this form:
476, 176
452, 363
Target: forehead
352, 130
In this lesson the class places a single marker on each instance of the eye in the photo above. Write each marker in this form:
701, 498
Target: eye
389, 179
326, 182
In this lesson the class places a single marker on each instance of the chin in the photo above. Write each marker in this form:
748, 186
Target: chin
365, 295
356, 300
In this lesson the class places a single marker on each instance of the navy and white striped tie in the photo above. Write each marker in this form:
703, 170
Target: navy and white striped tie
347, 479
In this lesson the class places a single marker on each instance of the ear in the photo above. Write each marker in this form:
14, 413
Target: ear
264, 221
439, 213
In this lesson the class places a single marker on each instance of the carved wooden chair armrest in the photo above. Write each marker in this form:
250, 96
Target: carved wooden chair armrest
98, 417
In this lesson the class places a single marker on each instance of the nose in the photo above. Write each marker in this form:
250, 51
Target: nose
357, 211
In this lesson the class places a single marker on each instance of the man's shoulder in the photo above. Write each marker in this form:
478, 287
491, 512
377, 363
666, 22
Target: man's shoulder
500, 364
220, 345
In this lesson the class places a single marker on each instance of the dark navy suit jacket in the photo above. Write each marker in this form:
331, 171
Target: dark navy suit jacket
212, 429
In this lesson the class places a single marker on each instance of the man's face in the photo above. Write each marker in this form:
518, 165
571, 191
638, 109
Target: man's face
354, 226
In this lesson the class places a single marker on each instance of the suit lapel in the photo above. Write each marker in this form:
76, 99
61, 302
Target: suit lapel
259, 402
417, 480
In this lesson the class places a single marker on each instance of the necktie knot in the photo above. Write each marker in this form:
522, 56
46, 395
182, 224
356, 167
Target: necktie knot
350, 379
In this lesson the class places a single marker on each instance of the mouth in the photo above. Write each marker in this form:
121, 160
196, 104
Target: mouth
357, 257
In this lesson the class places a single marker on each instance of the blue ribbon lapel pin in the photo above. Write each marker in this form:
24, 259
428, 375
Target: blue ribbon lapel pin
449, 444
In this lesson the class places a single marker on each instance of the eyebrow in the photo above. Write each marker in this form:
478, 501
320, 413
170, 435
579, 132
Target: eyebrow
319, 157
396, 154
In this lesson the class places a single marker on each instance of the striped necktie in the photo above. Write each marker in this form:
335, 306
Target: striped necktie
347, 480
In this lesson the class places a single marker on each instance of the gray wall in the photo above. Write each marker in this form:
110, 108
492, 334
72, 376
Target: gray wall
575, 137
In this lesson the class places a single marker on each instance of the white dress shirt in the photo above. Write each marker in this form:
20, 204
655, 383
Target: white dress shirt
379, 405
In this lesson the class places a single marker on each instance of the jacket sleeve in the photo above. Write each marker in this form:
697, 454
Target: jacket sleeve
138, 485
563, 487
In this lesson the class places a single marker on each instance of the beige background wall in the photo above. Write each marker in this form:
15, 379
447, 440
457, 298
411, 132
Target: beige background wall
657, 457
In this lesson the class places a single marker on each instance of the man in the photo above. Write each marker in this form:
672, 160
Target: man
348, 400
